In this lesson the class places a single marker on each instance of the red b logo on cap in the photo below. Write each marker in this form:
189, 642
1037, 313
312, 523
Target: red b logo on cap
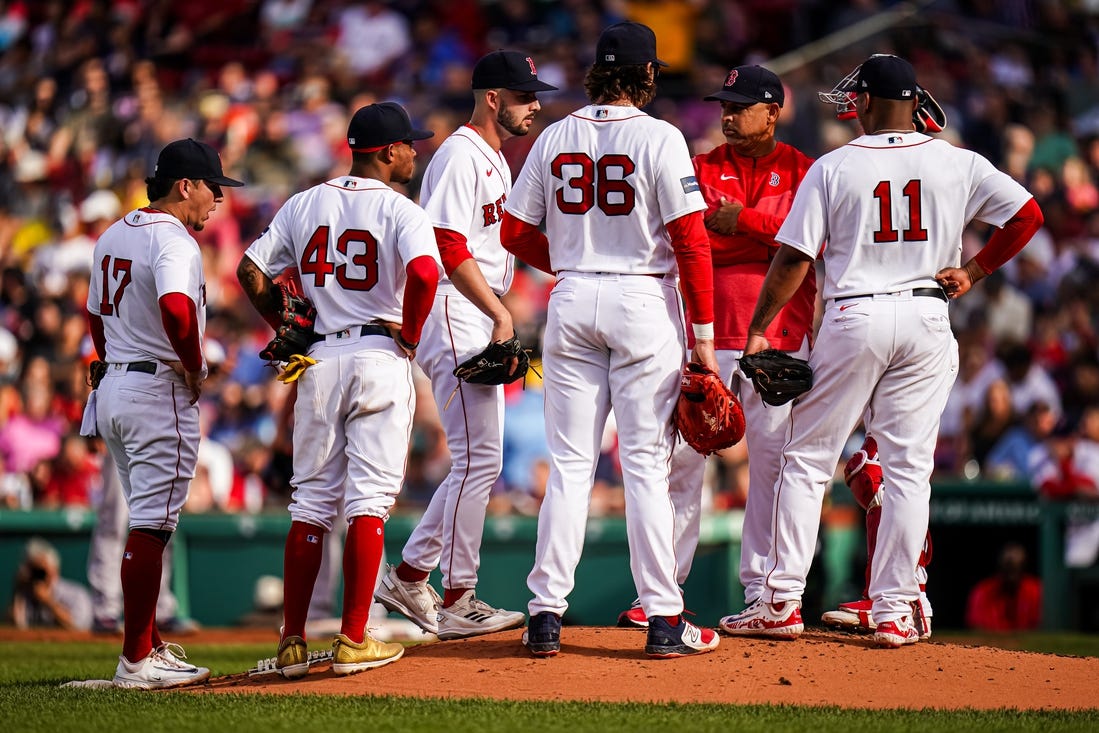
732, 78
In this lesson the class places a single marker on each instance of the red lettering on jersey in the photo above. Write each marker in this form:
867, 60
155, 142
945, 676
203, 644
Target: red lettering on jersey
493, 213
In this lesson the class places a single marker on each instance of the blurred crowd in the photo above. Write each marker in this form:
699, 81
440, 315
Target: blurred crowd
90, 90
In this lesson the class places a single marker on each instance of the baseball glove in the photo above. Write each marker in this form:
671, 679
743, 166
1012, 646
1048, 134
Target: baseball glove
707, 415
777, 376
295, 333
490, 366
96, 371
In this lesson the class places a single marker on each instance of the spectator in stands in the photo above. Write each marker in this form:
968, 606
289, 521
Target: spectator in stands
1012, 457
1010, 600
994, 418
44, 599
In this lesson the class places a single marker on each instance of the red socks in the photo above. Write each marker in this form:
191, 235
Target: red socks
409, 574
451, 595
301, 563
142, 563
362, 554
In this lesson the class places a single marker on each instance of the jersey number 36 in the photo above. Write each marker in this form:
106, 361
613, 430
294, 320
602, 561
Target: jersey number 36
593, 182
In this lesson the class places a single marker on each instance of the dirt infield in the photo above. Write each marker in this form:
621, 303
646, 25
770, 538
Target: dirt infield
607, 664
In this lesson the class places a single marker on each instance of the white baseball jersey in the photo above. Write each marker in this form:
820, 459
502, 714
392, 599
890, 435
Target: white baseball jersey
892, 208
139, 259
464, 190
607, 213
347, 237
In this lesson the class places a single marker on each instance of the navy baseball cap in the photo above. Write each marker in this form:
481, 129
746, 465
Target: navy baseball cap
377, 125
626, 44
888, 77
191, 159
508, 70
749, 85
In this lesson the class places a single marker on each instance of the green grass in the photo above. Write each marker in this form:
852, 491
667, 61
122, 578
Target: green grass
30, 700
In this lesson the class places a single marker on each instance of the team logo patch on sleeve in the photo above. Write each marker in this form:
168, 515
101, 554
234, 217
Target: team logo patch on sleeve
690, 184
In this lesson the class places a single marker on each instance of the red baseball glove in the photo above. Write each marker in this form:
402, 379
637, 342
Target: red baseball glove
708, 415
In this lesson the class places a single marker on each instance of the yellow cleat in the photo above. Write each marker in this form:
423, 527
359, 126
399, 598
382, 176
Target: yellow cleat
349, 657
292, 661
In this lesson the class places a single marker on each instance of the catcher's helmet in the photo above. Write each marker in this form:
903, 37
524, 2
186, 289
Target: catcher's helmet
928, 116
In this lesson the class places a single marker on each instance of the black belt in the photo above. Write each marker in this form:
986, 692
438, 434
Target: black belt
369, 329
916, 292
146, 367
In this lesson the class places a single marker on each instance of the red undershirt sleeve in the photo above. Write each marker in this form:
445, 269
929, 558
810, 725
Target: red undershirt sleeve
525, 241
180, 319
419, 294
696, 272
99, 338
1005, 243
453, 249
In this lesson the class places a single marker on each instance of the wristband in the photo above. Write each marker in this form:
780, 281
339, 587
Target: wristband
703, 331
405, 344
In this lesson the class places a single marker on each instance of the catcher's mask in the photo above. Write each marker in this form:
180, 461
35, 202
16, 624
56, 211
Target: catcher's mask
927, 117
843, 95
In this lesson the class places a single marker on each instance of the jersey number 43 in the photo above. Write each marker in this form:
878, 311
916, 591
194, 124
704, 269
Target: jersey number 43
358, 247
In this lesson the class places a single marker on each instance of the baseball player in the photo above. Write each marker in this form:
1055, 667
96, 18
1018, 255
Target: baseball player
464, 190
864, 477
748, 184
367, 261
891, 205
622, 210
147, 316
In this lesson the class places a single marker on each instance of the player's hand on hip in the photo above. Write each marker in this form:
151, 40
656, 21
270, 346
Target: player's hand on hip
703, 353
395, 331
756, 342
194, 382
957, 281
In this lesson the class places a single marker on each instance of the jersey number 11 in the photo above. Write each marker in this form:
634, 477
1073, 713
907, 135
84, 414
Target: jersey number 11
886, 232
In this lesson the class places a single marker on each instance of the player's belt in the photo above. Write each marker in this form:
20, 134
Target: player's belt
145, 367
369, 329
916, 292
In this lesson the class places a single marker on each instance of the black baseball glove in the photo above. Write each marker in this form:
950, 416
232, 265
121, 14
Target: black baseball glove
490, 366
777, 376
295, 333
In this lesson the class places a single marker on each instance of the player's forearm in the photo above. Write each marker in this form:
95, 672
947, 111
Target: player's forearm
260, 290
692, 254
784, 277
1005, 243
99, 336
470, 282
422, 279
179, 315
526, 242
